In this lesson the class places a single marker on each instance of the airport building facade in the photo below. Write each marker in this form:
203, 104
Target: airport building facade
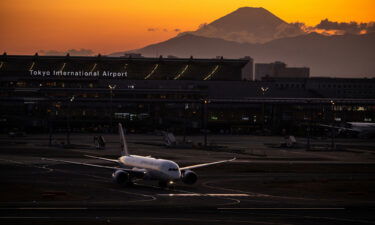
91, 94
279, 70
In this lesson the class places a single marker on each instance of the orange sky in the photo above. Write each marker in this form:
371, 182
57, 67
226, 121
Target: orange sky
106, 26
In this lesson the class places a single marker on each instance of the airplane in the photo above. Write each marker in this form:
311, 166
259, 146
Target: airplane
171, 142
133, 167
365, 130
353, 129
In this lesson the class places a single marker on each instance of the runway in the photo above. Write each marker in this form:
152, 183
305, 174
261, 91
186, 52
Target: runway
241, 192
197, 215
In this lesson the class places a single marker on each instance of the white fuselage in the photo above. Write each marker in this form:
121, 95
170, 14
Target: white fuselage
159, 169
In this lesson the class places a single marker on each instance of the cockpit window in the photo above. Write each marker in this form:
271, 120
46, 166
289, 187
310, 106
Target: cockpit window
172, 169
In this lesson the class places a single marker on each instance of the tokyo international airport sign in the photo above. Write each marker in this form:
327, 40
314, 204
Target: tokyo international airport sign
77, 74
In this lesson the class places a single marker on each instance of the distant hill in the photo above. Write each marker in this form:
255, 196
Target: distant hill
191, 45
251, 25
335, 56
258, 33
338, 56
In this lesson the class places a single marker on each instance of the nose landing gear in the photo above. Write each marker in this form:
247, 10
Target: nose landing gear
166, 184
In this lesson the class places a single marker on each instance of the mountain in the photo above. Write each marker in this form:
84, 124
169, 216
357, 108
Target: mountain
339, 55
334, 56
247, 24
258, 33
191, 45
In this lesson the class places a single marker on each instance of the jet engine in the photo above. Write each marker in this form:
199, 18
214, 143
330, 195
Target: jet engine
189, 177
121, 177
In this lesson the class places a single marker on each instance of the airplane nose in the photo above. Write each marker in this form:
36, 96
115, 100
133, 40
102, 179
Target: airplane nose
177, 175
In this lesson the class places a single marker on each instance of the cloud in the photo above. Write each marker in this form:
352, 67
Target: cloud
328, 27
303, 27
155, 29
348, 28
72, 52
370, 27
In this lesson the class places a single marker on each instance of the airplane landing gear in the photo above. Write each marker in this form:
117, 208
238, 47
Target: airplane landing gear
166, 184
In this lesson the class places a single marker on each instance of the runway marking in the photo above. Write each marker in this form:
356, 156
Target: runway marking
234, 201
209, 183
304, 162
43, 208
44, 167
281, 208
26, 217
200, 220
151, 198
204, 194
325, 218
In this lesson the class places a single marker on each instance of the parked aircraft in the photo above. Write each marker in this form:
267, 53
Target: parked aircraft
353, 129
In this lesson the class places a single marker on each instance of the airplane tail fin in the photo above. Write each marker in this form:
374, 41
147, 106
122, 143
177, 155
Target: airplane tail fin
124, 146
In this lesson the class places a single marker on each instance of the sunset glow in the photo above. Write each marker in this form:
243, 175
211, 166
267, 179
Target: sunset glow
28, 26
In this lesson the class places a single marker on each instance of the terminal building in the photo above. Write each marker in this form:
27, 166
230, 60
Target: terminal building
92, 94
279, 70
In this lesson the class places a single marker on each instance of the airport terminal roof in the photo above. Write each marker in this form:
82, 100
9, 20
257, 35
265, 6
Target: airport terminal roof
122, 67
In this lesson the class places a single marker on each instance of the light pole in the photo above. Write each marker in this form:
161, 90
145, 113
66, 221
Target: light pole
264, 90
111, 88
185, 118
50, 113
205, 103
68, 120
333, 124
309, 126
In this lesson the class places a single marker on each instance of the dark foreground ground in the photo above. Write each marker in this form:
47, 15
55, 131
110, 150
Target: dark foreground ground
263, 186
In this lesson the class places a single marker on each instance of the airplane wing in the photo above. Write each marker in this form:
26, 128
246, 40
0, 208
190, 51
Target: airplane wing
205, 164
337, 127
101, 158
88, 164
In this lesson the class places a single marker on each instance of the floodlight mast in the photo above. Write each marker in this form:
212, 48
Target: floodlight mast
205, 115
333, 125
264, 91
111, 88
71, 99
